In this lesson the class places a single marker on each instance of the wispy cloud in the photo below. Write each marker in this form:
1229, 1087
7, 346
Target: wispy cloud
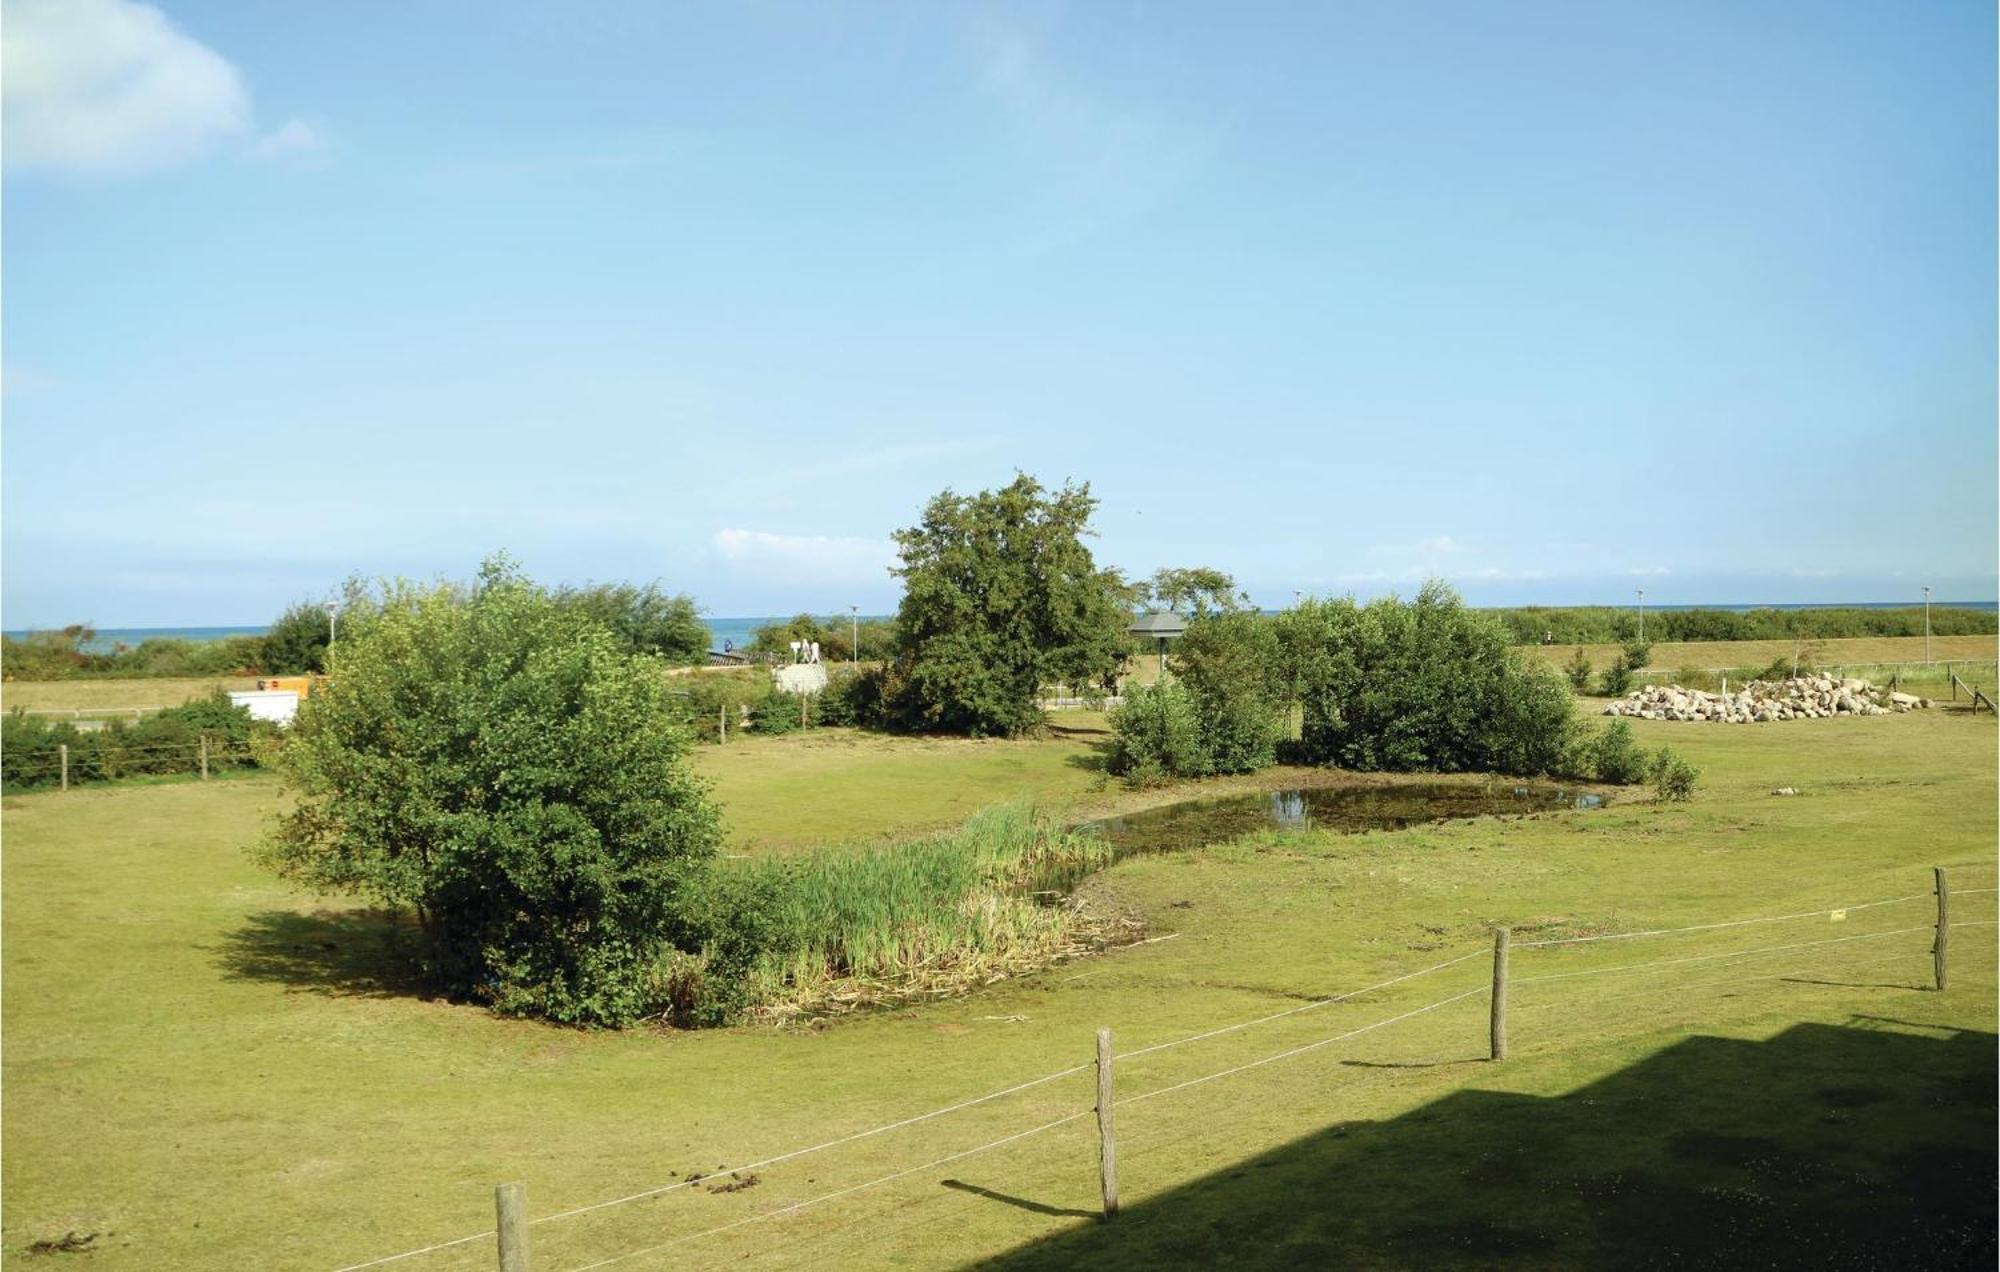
1649, 572
294, 142
112, 88
1091, 163
806, 558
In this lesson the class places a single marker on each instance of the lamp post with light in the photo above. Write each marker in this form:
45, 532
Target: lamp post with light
332, 629
1642, 614
854, 631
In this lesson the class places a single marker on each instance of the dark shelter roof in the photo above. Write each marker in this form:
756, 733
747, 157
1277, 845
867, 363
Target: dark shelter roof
1161, 625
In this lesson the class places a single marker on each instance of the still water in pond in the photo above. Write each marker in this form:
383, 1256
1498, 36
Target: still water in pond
1340, 808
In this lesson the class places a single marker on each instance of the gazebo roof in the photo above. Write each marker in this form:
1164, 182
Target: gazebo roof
1163, 624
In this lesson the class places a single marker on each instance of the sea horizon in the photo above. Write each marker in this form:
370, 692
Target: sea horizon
741, 630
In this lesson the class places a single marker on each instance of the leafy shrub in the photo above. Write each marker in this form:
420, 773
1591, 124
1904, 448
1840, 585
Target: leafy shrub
645, 620
1422, 685
297, 642
1673, 777
779, 712
851, 699
1638, 653
1617, 680
1157, 735
1578, 670
706, 697
1226, 661
166, 742
498, 763
1616, 757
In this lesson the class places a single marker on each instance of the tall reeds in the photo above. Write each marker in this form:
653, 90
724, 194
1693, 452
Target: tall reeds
925, 917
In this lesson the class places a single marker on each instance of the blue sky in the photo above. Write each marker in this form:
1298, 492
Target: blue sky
1556, 301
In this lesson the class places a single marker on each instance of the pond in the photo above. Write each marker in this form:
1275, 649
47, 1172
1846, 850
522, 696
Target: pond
1339, 808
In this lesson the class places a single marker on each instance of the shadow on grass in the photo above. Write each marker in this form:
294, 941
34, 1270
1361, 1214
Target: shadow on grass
1826, 1146
1022, 1203
341, 953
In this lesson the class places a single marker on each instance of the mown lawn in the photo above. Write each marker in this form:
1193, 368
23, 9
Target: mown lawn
206, 1070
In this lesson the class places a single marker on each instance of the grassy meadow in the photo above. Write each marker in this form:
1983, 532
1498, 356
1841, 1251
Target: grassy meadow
205, 1069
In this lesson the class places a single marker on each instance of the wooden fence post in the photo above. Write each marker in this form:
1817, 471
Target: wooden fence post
722, 724
510, 1204
1943, 926
1499, 1036
1107, 1141
64, 747
204, 757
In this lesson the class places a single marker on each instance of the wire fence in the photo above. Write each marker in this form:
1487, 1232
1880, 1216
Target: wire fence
510, 1230
68, 765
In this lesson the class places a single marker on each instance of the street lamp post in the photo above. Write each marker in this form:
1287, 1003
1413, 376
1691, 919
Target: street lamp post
854, 632
1642, 614
1927, 624
332, 629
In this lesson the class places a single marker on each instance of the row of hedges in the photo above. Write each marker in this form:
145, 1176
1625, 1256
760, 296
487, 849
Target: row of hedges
1606, 625
165, 743
1427, 685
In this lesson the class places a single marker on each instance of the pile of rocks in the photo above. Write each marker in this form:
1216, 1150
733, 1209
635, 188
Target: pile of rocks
1761, 701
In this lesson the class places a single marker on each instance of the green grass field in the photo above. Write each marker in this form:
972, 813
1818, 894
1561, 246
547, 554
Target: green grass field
207, 1070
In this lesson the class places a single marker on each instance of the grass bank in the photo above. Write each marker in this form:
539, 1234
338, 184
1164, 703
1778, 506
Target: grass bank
205, 1069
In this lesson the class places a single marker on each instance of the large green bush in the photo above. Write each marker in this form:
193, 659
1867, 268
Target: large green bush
1156, 735
297, 642
1228, 661
498, 763
1422, 685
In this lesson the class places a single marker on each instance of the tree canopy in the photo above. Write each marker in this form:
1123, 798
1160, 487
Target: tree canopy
646, 620
1001, 599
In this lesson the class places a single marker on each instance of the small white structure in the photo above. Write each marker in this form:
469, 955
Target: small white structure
801, 678
276, 705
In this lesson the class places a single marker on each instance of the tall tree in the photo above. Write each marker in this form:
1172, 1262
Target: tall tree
646, 620
1001, 598
1197, 591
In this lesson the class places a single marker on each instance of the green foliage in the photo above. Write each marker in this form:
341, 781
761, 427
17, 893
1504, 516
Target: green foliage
1601, 625
1673, 777
1157, 735
498, 762
704, 697
1638, 653
906, 916
297, 642
164, 743
50, 655
1616, 757
1577, 670
1228, 661
1422, 685
1196, 591
1617, 680
851, 698
836, 635
779, 712
1001, 597
646, 620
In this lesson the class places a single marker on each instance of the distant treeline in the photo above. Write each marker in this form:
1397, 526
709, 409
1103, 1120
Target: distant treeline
1605, 625
644, 619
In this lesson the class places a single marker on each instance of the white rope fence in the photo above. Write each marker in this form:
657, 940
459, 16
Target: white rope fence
1496, 989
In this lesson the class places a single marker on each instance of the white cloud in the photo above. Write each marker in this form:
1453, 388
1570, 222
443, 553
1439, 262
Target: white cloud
1650, 572
806, 558
295, 142
111, 87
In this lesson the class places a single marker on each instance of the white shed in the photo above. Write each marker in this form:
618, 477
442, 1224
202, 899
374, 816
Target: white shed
275, 705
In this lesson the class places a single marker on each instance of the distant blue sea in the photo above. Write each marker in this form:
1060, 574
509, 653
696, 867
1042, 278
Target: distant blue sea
741, 631
738, 631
